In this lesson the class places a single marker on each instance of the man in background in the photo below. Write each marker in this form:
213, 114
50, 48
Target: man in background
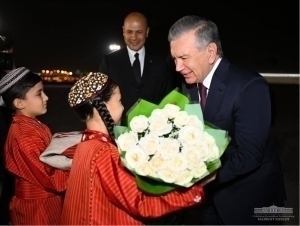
138, 72
6, 180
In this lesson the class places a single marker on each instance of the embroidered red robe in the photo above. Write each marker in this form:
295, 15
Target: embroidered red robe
38, 187
101, 192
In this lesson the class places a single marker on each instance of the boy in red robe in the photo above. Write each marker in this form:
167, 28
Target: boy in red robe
38, 188
100, 191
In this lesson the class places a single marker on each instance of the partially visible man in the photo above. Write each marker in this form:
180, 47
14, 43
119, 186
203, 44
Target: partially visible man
6, 179
236, 100
151, 79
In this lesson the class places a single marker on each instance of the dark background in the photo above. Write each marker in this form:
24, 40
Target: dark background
70, 35
74, 35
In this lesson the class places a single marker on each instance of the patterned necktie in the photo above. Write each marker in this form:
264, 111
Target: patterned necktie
203, 93
137, 68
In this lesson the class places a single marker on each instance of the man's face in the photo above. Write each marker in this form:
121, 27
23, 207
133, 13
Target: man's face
192, 63
135, 32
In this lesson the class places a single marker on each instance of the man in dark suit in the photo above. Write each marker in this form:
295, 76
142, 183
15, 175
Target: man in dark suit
238, 101
154, 80
153, 84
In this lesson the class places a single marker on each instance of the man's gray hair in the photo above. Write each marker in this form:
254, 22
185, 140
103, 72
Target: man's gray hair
206, 31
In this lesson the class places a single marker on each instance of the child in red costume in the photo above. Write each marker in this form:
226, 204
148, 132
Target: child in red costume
38, 187
100, 191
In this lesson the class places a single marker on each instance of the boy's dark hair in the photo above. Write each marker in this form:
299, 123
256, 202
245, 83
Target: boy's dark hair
20, 89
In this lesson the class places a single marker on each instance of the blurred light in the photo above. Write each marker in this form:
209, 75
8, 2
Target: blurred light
114, 47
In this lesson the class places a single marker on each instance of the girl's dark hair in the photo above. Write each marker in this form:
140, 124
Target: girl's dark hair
20, 89
85, 110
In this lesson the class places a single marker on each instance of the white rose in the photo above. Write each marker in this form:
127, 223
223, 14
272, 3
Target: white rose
184, 177
135, 156
203, 150
139, 124
145, 169
167, 175
154, 175
160, 126
156, 113
127, 140
190, 135
157, 162
195, 121
181, 119
200, 170
171, 110
149, 143
177, 163
192, 155
213, 153
168, 147
208, 139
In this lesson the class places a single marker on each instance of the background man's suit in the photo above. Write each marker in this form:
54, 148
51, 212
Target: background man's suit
156, 80
242, 185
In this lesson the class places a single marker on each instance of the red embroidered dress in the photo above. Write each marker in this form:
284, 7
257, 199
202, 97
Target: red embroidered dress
38, 198
101, 192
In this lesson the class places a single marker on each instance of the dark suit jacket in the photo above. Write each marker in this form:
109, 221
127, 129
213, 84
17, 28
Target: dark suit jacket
156, 81
250, 177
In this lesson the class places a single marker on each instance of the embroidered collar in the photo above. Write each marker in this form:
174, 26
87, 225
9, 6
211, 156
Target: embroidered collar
93, 134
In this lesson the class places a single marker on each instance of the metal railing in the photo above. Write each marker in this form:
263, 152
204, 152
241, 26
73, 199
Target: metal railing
281, 78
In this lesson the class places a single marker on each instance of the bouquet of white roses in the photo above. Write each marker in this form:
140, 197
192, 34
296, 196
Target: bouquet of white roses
168, 145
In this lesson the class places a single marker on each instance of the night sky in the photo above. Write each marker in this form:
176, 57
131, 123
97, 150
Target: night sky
74, 35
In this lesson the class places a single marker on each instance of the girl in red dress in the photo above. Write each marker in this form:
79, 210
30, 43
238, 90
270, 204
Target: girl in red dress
100, 191
38, 188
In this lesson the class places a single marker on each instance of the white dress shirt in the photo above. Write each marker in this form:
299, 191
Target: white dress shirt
141, 53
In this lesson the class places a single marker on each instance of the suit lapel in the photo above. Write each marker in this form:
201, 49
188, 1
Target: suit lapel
216, 91
148, 62
214, 99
